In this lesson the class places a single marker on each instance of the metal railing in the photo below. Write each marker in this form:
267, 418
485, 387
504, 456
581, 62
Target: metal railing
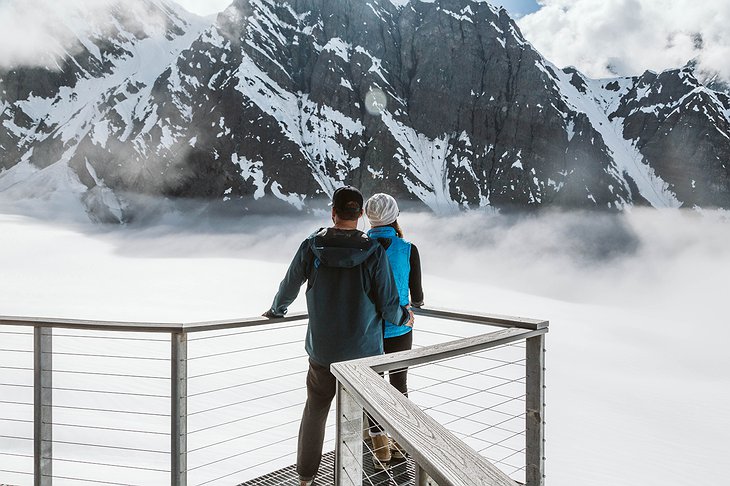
48, 399
439, 454
186, 426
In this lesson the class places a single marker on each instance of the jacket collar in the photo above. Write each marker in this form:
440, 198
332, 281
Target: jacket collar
382, 231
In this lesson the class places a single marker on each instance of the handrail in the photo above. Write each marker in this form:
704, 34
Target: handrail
403, 359
486, 319
240, 323
89, 324
441, 454
166, 327
141, 326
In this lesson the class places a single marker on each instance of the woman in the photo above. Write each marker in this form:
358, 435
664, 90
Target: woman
382, 213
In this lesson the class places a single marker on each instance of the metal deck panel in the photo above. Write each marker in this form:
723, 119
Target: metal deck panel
402, 473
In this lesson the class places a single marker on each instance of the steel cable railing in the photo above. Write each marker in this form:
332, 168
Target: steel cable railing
484, 407
110, 406
16, 406
246, 393
448, 413
456, 408
220, 402
479, 387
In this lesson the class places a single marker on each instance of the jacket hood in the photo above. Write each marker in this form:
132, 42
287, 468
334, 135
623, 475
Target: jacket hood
341, 248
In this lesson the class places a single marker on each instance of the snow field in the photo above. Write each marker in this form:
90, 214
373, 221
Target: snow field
636, 376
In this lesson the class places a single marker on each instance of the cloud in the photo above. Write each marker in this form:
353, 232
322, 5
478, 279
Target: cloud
28, 37
641, 259
40, 33
636, 351
205, 7
606, 38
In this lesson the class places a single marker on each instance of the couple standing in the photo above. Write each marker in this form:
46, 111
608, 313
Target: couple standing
358, 301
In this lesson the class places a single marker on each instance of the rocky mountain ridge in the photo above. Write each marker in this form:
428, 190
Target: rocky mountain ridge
441, 102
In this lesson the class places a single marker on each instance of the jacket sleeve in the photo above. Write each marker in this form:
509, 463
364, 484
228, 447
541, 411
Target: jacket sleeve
293, 280
414, 279
384, 291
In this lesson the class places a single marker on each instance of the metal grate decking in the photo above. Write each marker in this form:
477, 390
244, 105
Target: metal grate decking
402, 473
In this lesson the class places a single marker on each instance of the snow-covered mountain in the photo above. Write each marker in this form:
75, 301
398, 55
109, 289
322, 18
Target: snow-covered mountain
441, 101
56, 123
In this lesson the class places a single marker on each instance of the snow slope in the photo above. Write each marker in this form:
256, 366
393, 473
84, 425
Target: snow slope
635, 355
272, 100
627, 159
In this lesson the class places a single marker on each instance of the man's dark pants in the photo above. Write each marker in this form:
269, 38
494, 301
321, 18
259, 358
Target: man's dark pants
321, 389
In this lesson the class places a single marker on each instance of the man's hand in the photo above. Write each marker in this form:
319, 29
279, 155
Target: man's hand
411, 317
269, 314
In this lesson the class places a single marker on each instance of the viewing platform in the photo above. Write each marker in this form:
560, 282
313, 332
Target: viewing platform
401, 473
219, 403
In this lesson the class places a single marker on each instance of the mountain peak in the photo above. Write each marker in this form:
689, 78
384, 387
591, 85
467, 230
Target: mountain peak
443, 103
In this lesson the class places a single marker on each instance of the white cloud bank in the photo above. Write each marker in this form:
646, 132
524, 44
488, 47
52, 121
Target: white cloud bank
31, 33
39, 33
625, 37
636, 354
205, 7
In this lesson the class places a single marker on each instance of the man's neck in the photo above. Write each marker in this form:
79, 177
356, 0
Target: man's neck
345, 224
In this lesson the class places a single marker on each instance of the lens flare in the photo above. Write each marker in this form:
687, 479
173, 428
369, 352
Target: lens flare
375, 101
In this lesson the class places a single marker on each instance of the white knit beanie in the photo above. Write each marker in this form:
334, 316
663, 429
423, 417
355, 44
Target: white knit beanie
381, 209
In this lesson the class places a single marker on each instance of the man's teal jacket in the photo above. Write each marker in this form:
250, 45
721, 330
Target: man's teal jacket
350, 293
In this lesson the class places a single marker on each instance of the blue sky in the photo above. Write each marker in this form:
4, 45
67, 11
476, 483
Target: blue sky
518, 8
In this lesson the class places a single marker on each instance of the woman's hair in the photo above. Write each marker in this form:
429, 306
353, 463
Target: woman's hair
396, 226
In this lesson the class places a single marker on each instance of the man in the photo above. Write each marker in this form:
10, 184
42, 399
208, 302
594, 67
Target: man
350, 293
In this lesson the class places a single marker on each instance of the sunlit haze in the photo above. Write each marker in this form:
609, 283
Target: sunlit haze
635, 352
204, 7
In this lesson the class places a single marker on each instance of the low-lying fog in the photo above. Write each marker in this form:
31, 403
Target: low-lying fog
637, 359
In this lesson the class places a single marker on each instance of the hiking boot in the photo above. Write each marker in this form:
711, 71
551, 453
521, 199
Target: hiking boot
381, 452
396, 451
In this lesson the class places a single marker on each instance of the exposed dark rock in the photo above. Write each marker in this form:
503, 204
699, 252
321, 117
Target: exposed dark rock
682, 130
272, 100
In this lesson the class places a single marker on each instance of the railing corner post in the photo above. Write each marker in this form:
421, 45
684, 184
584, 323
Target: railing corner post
42, 406
179, 408
422, 478
348, 446
535, 412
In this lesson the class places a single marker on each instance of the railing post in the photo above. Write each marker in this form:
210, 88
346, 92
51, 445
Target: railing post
422, 478
42, 406
348, 445
179, 408
535, 411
